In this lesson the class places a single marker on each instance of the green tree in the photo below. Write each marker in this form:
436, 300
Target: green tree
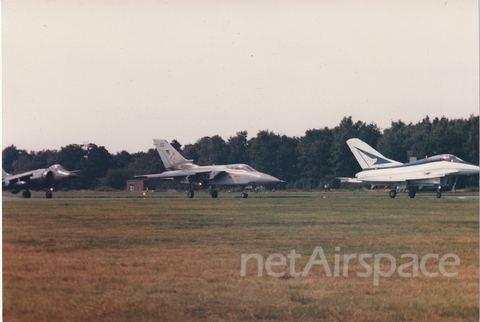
470, 146
117, 178
95, 165
314, 161
211, 150
176, 145
9, 155
274, 154
238, 148
122, 159
71, 156
34, 160
146, 163
394, 143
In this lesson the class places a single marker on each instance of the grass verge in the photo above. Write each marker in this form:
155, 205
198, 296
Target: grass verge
180, 259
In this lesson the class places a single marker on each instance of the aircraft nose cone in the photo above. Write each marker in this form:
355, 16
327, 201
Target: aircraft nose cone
72, 175
475, 169
266, 179
469, 169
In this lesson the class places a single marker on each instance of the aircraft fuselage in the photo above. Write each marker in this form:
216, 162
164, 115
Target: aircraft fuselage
419, 173
235, 174
380, 170
45, 178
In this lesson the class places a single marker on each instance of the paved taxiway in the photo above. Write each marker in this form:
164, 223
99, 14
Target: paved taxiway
426, 196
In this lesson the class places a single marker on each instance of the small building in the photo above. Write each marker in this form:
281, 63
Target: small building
140, 185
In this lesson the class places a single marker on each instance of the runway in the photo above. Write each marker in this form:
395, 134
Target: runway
336, 196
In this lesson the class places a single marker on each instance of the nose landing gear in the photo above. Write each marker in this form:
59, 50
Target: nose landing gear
439, 193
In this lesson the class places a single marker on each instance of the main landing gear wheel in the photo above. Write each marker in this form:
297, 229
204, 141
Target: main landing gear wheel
411, 193
48, 194
392, 193
439, 194
190, 194
244, 195
26, 194
214, 193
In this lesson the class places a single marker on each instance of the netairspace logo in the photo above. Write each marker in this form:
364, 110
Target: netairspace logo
386, 261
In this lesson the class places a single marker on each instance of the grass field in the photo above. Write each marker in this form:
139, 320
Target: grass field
166, 257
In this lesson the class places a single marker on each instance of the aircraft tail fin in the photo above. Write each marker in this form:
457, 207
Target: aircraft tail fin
367, 156
171, 158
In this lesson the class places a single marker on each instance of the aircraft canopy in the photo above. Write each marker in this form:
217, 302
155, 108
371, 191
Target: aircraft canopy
241, 167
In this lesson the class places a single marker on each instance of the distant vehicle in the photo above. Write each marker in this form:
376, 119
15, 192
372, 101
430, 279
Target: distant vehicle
435, 171
36, 179
186, 172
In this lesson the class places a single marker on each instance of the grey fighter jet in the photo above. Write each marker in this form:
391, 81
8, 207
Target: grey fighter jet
184, 171
36, 179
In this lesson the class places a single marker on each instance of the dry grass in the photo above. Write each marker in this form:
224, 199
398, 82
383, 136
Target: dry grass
179, 259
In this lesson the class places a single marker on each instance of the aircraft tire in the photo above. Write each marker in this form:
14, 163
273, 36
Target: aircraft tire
190, 194
392, 193
214, 194
411, 193
26, 194
439, 194
244, 195
48, 195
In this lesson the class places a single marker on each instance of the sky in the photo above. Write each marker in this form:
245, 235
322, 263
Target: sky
120, 73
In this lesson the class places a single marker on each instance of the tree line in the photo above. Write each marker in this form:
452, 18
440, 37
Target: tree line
307, 162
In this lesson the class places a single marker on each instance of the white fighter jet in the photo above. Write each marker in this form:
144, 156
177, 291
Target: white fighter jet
435, 171
184, 171
36, 179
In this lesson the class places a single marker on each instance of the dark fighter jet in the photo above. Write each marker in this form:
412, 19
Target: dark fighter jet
36, 179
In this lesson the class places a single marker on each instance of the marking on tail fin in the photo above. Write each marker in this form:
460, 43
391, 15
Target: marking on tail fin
367, 156
171, 158
372, 158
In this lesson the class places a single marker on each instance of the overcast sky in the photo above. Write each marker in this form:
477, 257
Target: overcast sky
119, 73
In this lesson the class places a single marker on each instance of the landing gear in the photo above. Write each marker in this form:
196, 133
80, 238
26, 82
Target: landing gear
49, 193
190, 192
454, 187
411, 193
244, 195
439, 194
26, 194
392, 193
213, 192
